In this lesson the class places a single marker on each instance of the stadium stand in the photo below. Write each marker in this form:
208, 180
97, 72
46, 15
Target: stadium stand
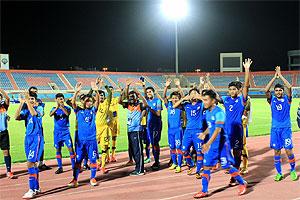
51, 81
5, 82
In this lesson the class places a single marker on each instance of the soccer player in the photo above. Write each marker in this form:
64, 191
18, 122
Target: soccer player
193, 106
281, 132
42, 165
114, 124
102, 121
136, 110
62, 136
86, 141
234, 108
217, 147
34, 140
154, 124
4, 136
175, 132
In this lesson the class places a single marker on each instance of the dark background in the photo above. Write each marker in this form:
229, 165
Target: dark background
135, 35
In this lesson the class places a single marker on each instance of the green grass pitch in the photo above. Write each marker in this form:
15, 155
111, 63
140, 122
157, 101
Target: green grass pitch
261, 122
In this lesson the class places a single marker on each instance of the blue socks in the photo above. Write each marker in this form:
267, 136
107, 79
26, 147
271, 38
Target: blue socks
32, 178
292, 161
235, 174
277, 164
205, 180
199, 161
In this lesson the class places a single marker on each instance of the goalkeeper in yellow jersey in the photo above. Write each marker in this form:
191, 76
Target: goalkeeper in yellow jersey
102, 121
113, 124
246, 118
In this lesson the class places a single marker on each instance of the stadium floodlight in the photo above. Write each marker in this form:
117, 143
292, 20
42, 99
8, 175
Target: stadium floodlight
175, 10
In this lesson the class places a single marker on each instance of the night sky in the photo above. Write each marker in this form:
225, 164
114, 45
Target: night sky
135, 35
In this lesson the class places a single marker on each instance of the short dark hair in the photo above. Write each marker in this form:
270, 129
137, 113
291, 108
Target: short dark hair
110, 87
278, 85
236, 84
212, 94
82, 96
175, 93
101, 92
150, 88
33, 94
1, 95
203, 92
32, 88
59, 95
194, 89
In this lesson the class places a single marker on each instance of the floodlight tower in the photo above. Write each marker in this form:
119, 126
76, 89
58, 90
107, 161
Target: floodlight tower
175, 10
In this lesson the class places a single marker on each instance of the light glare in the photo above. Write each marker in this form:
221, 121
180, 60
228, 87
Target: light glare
175, 9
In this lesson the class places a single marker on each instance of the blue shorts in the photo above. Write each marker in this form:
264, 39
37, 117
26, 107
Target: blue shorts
218, 153
281, 138
154, 134
190, 138
175, 138
61, 138
235, 134
34, 146
88, 147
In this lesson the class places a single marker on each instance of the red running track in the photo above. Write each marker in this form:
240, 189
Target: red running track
163, 184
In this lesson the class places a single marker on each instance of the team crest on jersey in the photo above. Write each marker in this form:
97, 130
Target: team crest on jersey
212, 118
198, 108
236, 101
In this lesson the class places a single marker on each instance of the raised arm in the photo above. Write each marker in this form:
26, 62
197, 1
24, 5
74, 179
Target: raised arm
269, 85
121, 97
18, 112
286, 83
178, 103
247, 65
30, 106
141, 97
177, 83
167, 85
77, 90
7, 99
52, 112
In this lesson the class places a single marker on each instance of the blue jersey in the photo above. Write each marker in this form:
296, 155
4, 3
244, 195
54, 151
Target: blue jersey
34, 123
134, 116
41, 104
194, 115
156, 105
61, 120
215, 119
3, 116
281, 112
174, 116
234, 109
86, 123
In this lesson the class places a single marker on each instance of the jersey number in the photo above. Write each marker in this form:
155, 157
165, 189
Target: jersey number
230, 108
279, 107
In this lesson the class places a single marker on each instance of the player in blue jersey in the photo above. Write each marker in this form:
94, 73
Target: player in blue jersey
175, 132
86, 141
34, 140
193, 106
281, 132
42, 165
154, 124
234, 108
217, 147
62, 136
